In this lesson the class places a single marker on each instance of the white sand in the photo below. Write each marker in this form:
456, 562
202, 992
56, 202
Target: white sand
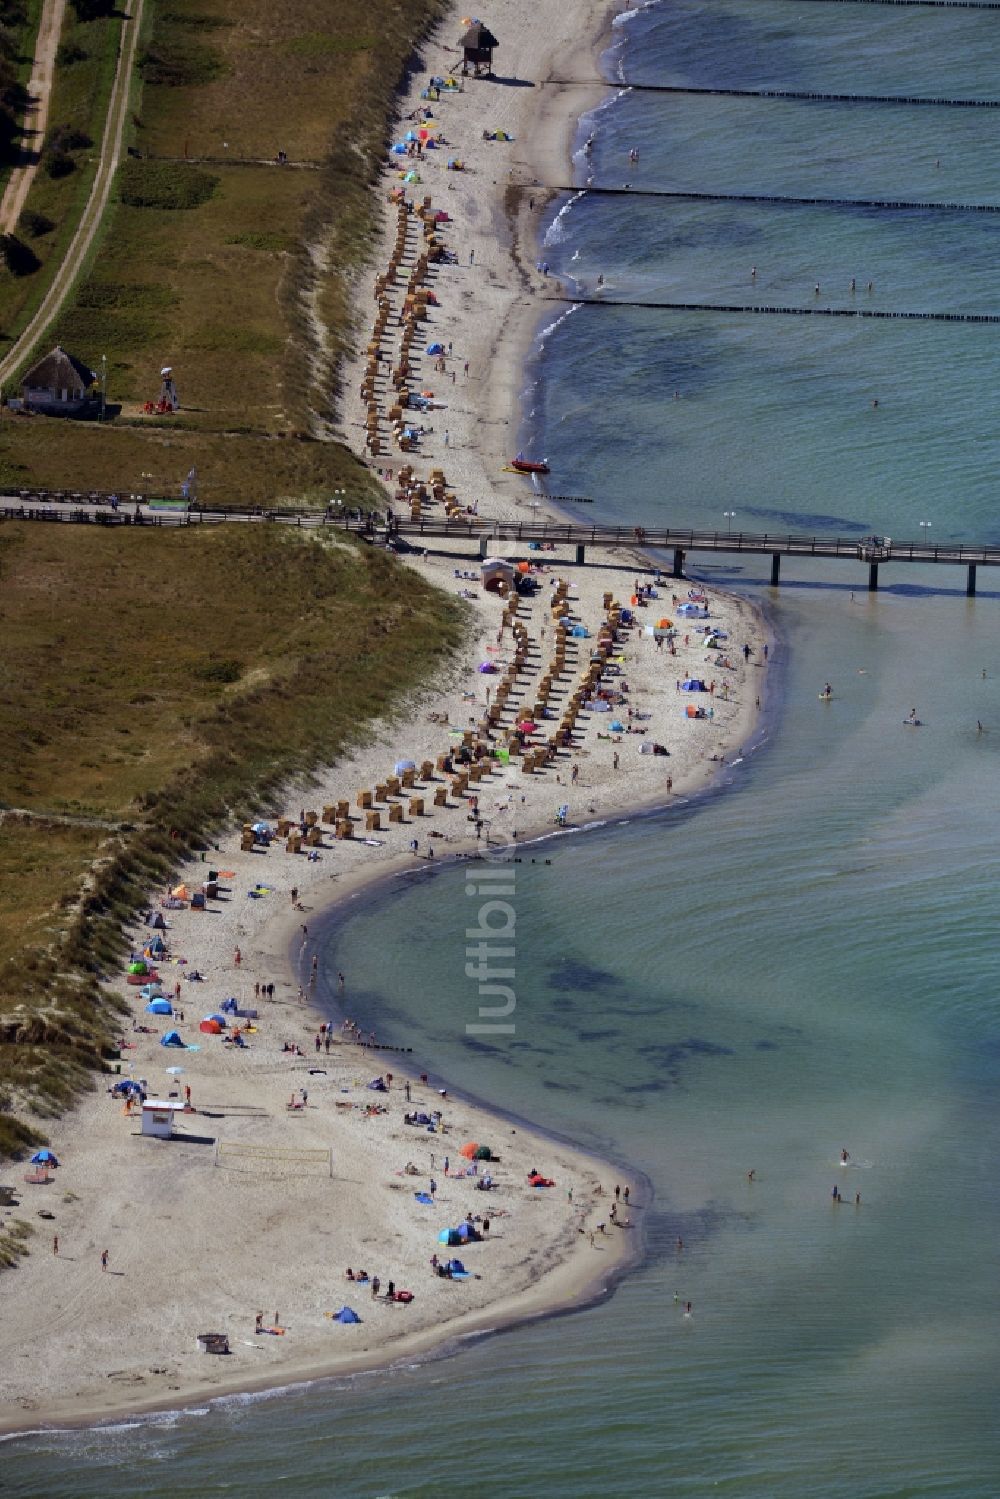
198, 1246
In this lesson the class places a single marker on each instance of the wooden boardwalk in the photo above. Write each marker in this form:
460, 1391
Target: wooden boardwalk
873, 551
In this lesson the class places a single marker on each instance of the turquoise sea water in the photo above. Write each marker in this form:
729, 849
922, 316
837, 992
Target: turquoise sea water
807, 960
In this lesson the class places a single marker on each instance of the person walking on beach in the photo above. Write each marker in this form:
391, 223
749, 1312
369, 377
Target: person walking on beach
104, 1259
625, 1194
294, 894
237, 957
55, 1244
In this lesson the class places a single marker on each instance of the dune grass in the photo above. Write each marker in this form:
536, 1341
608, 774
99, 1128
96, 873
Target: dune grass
151, 686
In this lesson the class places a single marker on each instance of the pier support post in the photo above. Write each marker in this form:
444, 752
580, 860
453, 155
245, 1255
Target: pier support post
484, 547
775, 569
581, 554
873, 577
678, 571
970, 586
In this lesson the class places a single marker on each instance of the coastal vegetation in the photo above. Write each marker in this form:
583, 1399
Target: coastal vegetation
213, 258
154, 684
124, 740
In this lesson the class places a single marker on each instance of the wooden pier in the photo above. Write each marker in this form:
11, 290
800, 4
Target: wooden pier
873, 552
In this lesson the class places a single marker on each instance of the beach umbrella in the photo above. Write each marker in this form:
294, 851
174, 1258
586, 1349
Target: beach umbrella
528, 726
469, 1150
210, 1027
664, 624
44, 1158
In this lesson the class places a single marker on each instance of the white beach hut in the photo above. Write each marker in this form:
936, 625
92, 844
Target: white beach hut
158, 1117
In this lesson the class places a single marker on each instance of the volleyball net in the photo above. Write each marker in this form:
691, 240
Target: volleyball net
263, 1160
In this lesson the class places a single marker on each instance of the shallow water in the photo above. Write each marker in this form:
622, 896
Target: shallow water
804, 962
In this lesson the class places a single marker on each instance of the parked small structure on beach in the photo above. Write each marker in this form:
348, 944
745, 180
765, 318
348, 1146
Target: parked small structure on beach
478, 45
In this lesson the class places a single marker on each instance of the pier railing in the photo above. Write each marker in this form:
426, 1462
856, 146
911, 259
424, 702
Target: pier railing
103, 509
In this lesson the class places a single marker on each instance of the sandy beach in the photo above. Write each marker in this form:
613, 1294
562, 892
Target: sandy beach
256, 1205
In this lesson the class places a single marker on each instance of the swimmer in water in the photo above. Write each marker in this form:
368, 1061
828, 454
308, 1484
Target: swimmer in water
828, 690
688, 1308
751, 1175
844, 1158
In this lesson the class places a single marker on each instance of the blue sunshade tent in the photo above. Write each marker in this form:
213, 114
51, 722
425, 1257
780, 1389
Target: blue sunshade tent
219, 1019
159, 1006
346, 1314
44, 1158
435, 348
172, 1038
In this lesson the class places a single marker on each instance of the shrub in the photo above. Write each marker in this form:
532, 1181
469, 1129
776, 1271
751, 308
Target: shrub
163, 184
70, 52
59, 164
220, 671
67, 138
18, 257
35, 224
92, 10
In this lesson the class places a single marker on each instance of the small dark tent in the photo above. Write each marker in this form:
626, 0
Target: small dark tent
477, 46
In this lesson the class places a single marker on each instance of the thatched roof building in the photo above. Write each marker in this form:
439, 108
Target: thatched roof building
59, 385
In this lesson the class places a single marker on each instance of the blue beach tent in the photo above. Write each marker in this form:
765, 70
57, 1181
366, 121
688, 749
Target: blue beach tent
44, 1158
346, 1314
172, 1038
159, 1006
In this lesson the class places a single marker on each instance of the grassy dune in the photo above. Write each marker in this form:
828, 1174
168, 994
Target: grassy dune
150, 685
